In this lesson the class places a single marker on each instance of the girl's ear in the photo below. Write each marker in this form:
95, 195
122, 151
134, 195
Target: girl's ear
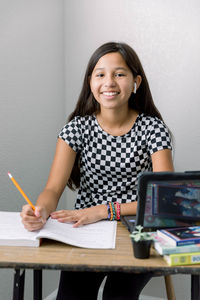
137, 80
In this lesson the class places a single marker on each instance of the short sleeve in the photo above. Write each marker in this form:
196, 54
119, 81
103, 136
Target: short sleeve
71, 134
158, 137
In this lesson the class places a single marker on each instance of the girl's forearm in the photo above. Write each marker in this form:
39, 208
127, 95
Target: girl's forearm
48, 199
125, 209
128, 208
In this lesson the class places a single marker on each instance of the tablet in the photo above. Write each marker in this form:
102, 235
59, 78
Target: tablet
168, 199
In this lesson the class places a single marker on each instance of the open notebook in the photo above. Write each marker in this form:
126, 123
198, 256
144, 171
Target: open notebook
99, 235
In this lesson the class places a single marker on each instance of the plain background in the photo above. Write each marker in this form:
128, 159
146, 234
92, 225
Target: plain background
44, 49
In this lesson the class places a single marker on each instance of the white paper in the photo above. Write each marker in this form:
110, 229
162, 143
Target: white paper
12, 231
99, 235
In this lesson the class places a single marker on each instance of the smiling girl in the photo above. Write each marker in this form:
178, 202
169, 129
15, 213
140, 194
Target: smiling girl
114, 134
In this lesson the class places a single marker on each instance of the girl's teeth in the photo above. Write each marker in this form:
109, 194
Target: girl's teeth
110, 93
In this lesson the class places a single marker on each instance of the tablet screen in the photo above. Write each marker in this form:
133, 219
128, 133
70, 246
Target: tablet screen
172, 203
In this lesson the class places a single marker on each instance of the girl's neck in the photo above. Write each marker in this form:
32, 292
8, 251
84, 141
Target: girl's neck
117, 123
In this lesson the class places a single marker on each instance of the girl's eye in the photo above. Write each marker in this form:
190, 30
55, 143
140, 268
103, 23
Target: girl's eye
119, 74
100, 75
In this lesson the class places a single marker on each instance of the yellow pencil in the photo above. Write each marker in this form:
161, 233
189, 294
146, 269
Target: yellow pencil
21, 191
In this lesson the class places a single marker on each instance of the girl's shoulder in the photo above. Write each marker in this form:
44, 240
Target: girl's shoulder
147, 120
82, 121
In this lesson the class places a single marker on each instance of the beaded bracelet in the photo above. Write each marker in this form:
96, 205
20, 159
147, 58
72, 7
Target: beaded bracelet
117, 210
109, 214
113, 212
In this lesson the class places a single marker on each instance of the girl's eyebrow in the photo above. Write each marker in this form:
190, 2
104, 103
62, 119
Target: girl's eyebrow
117, 68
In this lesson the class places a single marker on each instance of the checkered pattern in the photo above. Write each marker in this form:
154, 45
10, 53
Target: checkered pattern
110, 165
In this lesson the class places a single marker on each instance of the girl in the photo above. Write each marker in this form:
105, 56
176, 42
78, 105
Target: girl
114, 134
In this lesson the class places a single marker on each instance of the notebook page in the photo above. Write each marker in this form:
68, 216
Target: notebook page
99, 235
12, 231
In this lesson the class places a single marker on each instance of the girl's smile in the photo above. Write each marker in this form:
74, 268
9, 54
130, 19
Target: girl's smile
110, 95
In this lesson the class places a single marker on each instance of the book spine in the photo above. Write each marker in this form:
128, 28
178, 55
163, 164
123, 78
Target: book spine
187, 242
172, 240
164, 250
183, 259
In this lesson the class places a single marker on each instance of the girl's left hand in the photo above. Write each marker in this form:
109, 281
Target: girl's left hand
81, 216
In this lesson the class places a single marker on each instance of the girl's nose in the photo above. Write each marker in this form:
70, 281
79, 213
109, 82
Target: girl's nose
109, 81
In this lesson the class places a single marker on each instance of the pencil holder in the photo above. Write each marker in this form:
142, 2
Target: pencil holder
141, 242
141, 249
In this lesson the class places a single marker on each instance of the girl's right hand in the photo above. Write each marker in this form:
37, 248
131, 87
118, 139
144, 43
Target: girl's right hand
33, 220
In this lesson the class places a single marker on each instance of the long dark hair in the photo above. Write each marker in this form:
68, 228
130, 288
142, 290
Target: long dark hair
142, 101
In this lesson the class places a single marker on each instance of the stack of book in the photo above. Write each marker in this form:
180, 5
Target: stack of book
179, 246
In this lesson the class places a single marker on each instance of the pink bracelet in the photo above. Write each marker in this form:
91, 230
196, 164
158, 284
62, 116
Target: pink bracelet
117, 210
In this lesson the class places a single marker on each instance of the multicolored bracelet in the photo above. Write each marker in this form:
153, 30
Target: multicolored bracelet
112, 214
118, 210
111, 211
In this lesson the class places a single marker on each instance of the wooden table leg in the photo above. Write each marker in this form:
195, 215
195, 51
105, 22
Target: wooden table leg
37, 290
195, 287
169, 288
18, 287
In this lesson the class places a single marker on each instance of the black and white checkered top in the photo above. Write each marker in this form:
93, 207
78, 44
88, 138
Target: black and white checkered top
110, 165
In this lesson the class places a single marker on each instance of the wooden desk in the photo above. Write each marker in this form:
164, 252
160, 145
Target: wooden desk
58, 256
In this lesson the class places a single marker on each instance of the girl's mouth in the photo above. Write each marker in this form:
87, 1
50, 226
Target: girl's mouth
110, 94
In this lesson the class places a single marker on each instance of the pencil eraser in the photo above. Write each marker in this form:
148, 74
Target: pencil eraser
9, 175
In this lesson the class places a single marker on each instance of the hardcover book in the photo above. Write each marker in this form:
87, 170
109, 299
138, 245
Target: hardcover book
182, 259
163, 247
181, 236
99, 235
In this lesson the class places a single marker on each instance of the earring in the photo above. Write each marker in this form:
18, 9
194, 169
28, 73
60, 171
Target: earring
135, 88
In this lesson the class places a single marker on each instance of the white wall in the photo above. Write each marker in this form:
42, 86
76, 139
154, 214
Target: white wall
44, 48
31, 103
166, 36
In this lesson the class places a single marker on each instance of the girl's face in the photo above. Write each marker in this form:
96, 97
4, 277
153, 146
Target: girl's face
112, 81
